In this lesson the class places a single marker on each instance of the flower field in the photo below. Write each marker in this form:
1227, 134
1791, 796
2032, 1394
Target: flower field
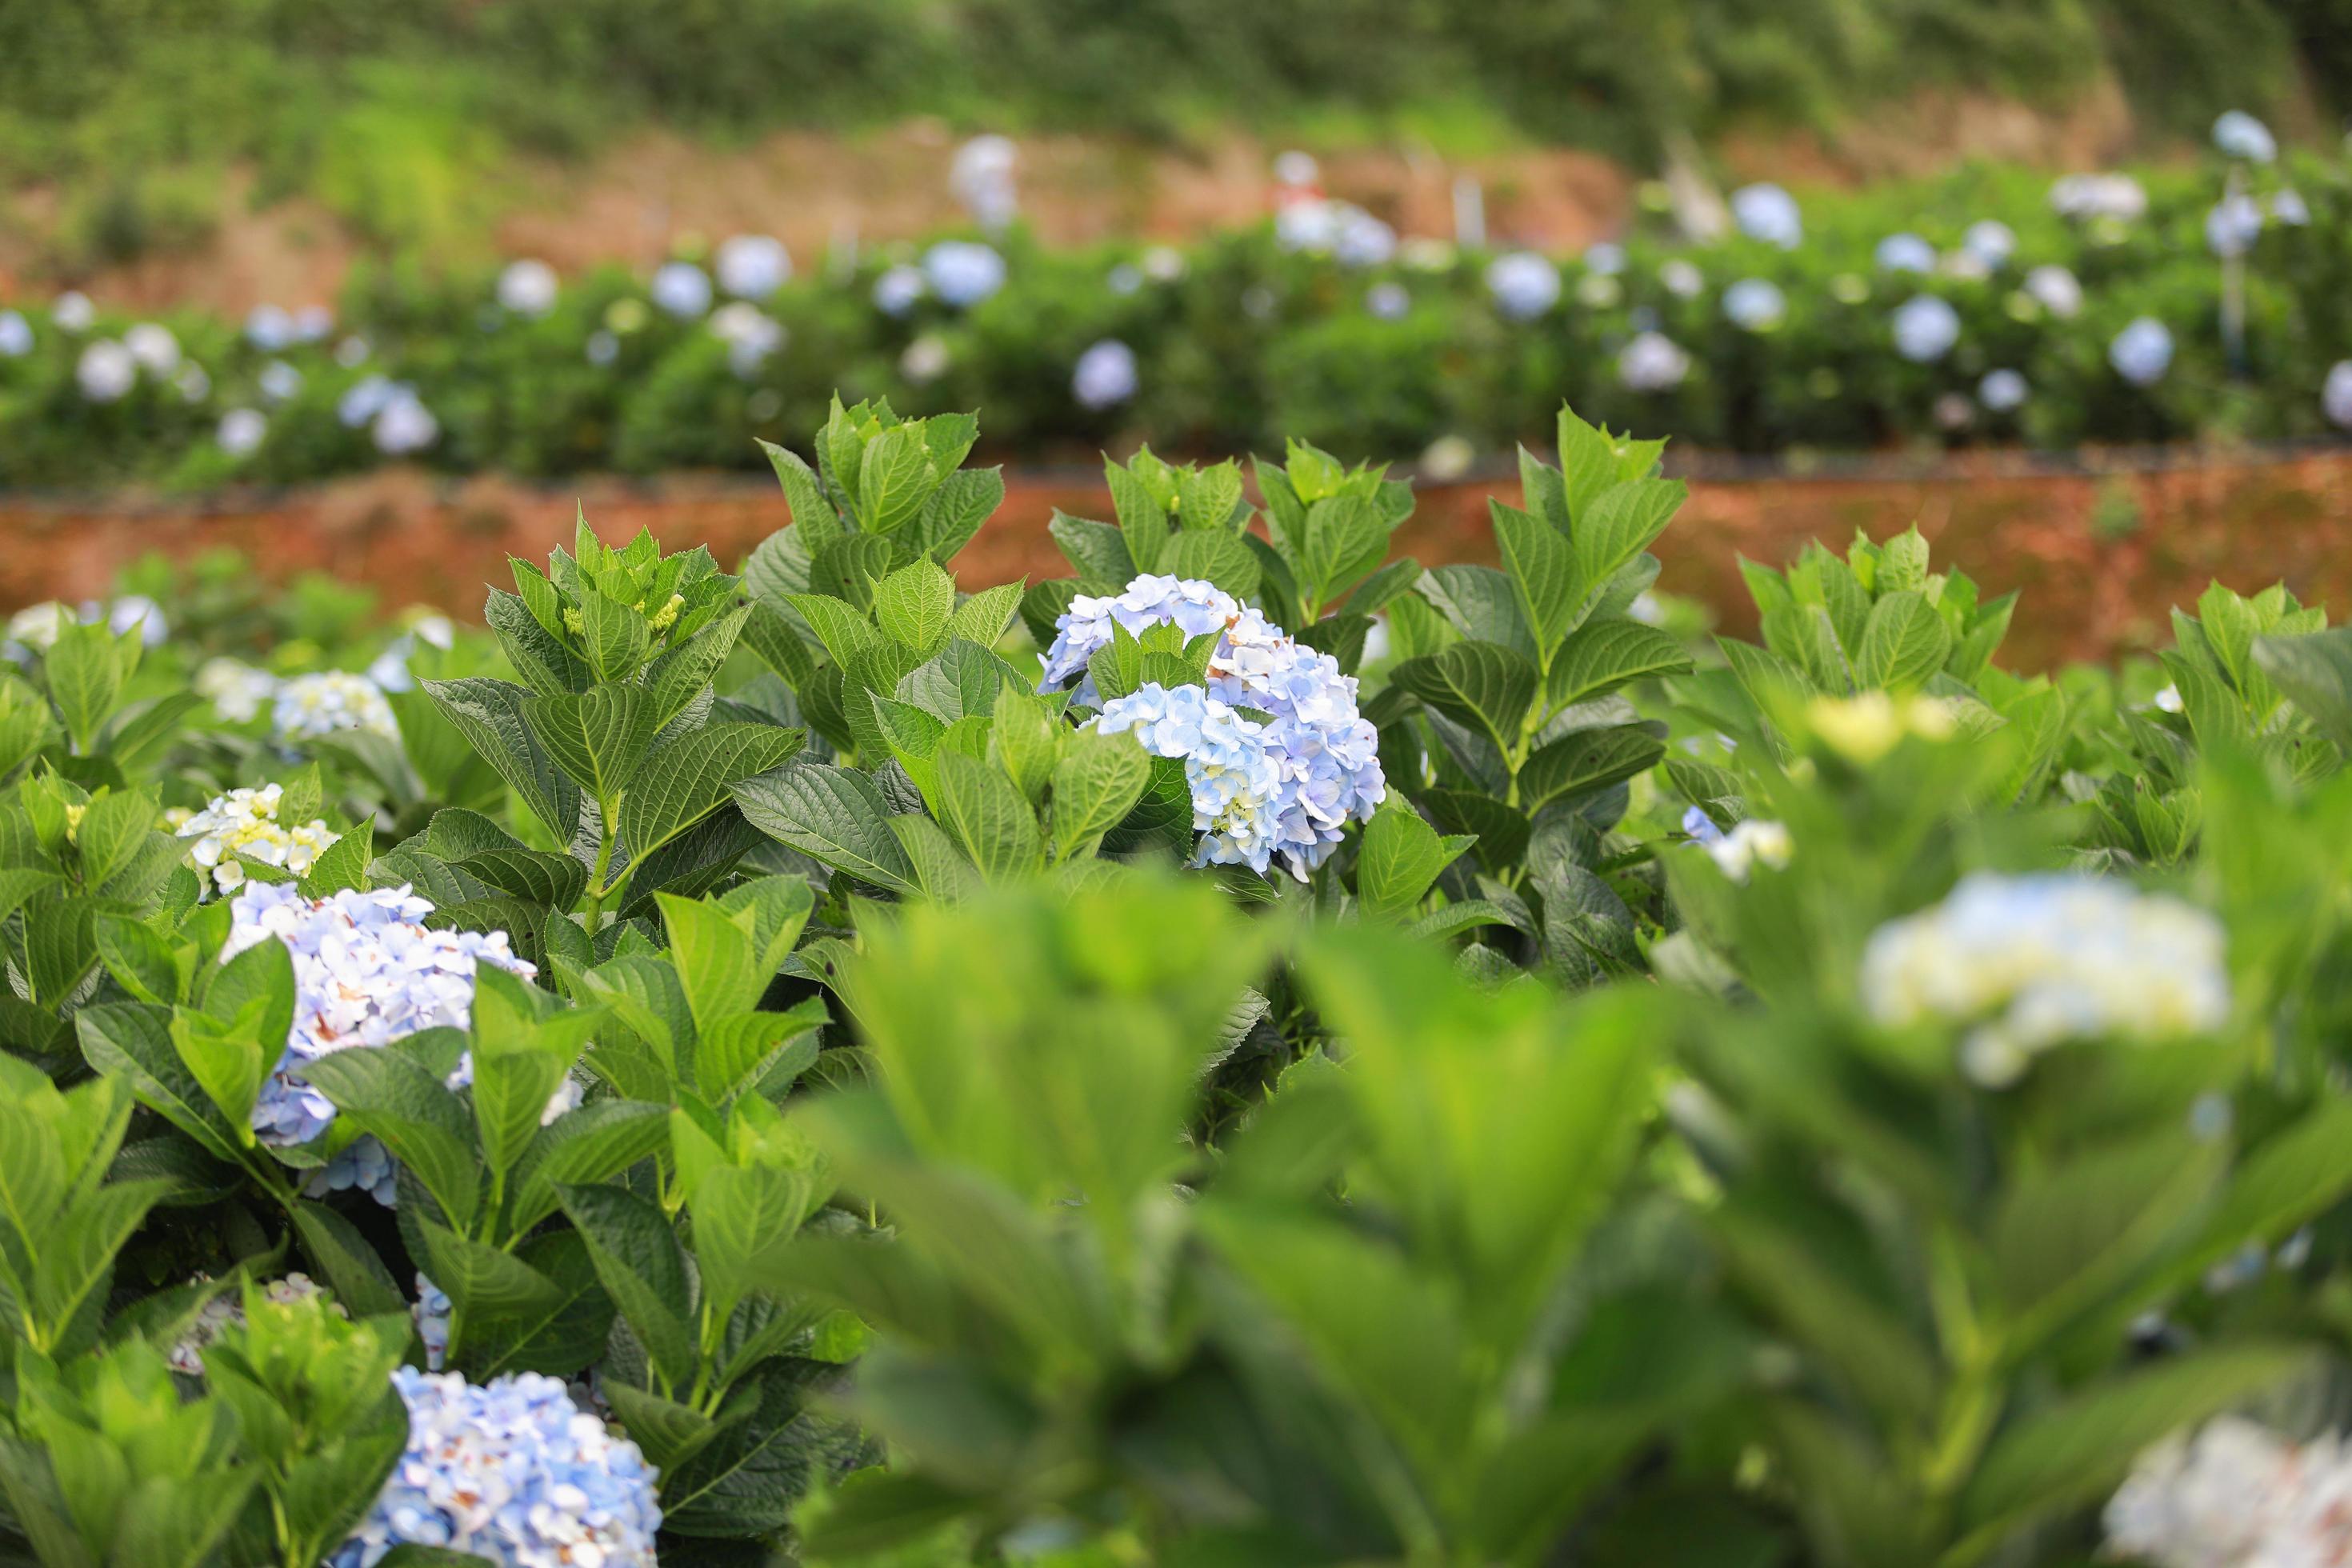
1993, 308
1250, 1051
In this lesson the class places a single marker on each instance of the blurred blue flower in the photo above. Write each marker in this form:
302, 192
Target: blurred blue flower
1524, 285
1925, 327
963, 272
2142, 351
1768, 212
1755, 305
1105, 375
2240, 135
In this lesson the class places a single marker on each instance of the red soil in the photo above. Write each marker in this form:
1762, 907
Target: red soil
2248, 521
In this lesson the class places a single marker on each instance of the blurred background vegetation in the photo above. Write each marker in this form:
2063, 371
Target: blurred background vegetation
404, 121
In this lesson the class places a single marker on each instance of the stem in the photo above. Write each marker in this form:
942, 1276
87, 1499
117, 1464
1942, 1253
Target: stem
597, 888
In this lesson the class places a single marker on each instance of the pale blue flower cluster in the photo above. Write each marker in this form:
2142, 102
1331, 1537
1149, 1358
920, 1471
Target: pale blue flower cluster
366, 973
1524, 284
1285, 788
963, 272
1105, 375
432, 1314
2142, 351
1754, 304
1766, 212
1925, 327
1905, 253
512, 1471
365, 1166
2032, 963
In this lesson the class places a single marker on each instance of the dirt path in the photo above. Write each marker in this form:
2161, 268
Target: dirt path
2091, 587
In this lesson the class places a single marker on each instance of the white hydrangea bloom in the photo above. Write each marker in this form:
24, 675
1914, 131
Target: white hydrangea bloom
528, 287
2236, 1495
1682, 278
236, 691
926, 359
2035, 962
749, 333
981, 179
244, 822
73, 312
321, 703
404, 425
899, 289
1653, 362
1750, 843
15, 334
1990, 241
269, 327
2115, 197
2336, 395
153, 346
106, 372
752, 266
242, 431
2056, 290
1754, 305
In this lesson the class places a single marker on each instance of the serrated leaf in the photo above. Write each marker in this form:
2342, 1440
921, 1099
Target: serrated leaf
834, 815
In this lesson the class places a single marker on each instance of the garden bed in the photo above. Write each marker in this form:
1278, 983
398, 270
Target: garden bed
2102, 546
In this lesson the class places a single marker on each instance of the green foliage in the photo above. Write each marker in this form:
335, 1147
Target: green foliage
927, 1172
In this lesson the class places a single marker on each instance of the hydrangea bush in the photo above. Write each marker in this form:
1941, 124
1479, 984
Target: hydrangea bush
1252, 1052
1995, 307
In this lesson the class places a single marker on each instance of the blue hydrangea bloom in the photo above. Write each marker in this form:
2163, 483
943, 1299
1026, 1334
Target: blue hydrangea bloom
1754, 304
366, 973
1321, 758
1925, 327
432, 1313
963, 272
365, 1166
2142, 351
1905, 253
1105, 375
1524, 284
1768, 212
511, 1471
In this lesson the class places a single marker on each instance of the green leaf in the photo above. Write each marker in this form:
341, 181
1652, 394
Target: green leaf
615, 634
354, 1271
485, 1283
423, 1124
914, 604
956, 510
686, 780
2316, 673
832, 814
1096, 549
1400, 859
1587, 759
598, 737
1904, 642
86, 667
592, 1143
345, 863
490, 715
644, 1270
894, 479
1097, 781
986, 616
1602, 655
1620, 523
1543, 574
2077, 1450
1475, 683
988, 816
138, 957
132, 1041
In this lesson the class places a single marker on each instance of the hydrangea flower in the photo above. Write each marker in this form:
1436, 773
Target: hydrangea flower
602, 348
752, 266
513, 1471
1388, 301
431, 1314
2336, 395
225, 1311
681, 289
106, 372
313, 323
1751, 842
362, 1165
1990, 241
2235, 1495
897, 289
269, 327
1322, 758
2055, 290
15, 334
127, 611
1905, 253
328, 701
1362, 240
34, 629
1754, 305
1105, 375
2240, 135
73, 312
1524, 285
749, 333
2004, 391
926, 359
2233, 225
963, 272
153, 346
1653, 362
527, 287
1606, 259
1925, 327
365, 398
403, 425
2142, 351
244, 822
2035, 962
981, 179
366, 973
1447, 458
1768, 212
2116, 198
236, 691
1124, 279
242, 431
1232, 775
1295, 169
2289, 207
1682, 278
